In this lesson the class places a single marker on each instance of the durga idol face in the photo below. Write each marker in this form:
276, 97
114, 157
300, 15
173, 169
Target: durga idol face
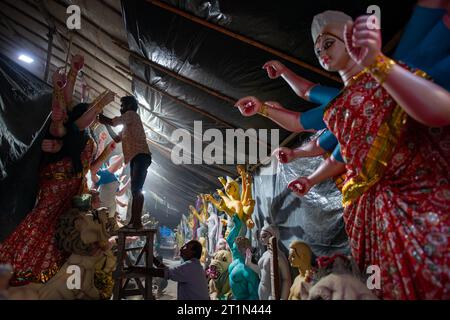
330, 50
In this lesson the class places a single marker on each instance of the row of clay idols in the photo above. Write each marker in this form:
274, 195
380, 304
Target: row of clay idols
231, 201
334, 278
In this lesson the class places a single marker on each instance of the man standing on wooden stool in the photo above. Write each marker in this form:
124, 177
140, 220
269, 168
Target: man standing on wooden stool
135, 151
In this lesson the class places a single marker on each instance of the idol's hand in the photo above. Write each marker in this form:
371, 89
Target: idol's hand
248, 106
58, 114
300, 186
363, 39
51, 146
274, 68
77, 62
109, 97
283, 154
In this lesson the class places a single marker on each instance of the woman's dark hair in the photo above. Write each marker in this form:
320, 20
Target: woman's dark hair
130, 102
75, 139
77, 111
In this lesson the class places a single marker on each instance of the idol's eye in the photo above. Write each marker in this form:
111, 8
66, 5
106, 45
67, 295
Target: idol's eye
328, 43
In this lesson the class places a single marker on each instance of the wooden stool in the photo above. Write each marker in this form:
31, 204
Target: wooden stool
127, 269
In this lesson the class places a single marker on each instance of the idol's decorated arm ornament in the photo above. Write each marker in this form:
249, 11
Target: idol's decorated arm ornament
421, 99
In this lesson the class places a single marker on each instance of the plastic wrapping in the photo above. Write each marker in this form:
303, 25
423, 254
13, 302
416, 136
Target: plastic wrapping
315, 218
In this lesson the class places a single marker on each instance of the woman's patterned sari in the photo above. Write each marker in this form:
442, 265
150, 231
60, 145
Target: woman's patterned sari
396, 191
31, 249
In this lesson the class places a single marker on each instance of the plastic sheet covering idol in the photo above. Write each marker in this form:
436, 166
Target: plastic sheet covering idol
315, 218
25, 103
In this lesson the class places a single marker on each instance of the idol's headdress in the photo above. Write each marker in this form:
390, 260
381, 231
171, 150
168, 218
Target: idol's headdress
329, 19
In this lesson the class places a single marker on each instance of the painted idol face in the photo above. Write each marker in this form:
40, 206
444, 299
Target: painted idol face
331, 52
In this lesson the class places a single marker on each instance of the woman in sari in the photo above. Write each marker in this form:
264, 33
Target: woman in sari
396, 192
31, 249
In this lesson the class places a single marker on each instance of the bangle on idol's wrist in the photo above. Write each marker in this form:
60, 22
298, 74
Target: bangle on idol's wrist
264, 110
381, 68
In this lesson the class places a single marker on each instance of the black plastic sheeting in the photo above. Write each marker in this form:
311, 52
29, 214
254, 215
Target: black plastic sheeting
224, 64
25, 103
285, 24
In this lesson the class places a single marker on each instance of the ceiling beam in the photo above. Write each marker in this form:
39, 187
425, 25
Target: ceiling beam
92, 34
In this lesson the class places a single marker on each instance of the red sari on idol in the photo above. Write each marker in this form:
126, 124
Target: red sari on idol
396, 192
31, 249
